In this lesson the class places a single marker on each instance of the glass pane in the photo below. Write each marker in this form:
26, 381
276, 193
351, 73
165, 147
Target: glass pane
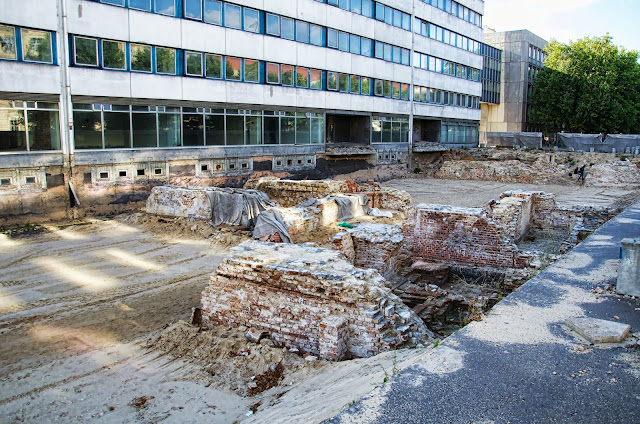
140, 4
44, 130
315, 35
232, 16
302, 130
397, 18
343, 83
254, 130
271, 130
404, 93
7, 42
343, 41
316, 79
379, 88
386, 85
235, 130
193, 9
355, 84
379, 50
86, 51
169, 129
251, 68
116, 2
213, 65
302, 77
397, 57
332, 81
365, 85
355, 44
317, 131
396, 90
287, 75
165, 61
376, 126
12, 130
193, 127
332, 38
286, 28
117, 130
213, 12
194, 63
251, 20
273, 73
386, 131
388, 15
144, 129
395, 132
273, 24
406, 22
87, 131
367, 8
166, 7
113, 54
215, 130
387, 52
140, 58
233, 68
288, 133
36, 46
302, 32
365, 47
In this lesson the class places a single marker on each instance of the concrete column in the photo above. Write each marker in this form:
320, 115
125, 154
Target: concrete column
629, 271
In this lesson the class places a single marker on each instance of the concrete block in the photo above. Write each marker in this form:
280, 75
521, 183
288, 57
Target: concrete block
629, 270
599, 330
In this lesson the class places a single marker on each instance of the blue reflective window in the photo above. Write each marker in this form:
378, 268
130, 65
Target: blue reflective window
232, 16
367, 8
116, 2
355, 44
343, 41
140, 4
213, 12
287, 28
273, 24
302, 32
365, 49
166, 7
315, 35
251, 20
332, 38
193, 9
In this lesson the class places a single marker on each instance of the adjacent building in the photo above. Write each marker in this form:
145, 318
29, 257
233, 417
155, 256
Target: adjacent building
102, 99
505, 103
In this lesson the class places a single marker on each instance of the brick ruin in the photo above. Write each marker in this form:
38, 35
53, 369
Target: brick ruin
311, 299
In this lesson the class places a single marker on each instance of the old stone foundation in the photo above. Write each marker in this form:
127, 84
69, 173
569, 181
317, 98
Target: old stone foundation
311, 299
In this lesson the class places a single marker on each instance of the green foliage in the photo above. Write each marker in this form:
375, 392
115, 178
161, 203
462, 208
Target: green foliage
590, 86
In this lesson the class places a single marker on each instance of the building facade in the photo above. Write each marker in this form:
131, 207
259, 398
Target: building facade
522, 54
102, 99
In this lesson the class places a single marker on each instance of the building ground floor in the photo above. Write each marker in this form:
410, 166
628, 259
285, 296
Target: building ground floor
103, 155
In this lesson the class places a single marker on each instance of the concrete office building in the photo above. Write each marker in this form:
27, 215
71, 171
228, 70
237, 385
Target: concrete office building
521, 55
102, 99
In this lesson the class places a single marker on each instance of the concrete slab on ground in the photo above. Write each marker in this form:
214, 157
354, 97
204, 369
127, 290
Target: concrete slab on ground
599, 330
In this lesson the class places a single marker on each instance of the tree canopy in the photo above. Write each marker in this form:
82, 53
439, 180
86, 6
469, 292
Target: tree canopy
590, 86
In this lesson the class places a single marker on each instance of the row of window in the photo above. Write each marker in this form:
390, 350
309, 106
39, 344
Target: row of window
446, 67
491, 73
123, 126
389, 130
252, 20
375, 10
536, 54
29, 126
456, 9
449, 37
459, 133
441, 97
26, 45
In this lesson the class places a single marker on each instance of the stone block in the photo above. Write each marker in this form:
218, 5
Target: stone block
598, 330
629, 270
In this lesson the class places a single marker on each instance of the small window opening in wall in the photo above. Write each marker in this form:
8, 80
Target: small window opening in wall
278, 163
157, 171
5, 181
244, 166
232, 166
122, 173
299, 161
386, 156
140, 172
309, 161
218, 167
290, 162
104, 175
204, 168
30, 180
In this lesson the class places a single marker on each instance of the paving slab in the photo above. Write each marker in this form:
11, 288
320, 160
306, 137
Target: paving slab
521, 364
599, 330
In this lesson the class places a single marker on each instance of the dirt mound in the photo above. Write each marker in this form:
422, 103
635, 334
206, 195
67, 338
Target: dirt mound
232, 361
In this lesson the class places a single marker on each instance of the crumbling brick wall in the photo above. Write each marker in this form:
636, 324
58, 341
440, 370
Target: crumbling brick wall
463, 235
373, 246
311, 299
290, 193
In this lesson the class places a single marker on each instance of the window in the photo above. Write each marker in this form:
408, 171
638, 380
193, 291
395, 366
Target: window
355, 44
87, 130
232, 16
165, 61
169, 128
36, 46
332, 81
404, 91
233, 68
396, 90
287, 75
273, 73
302, 32
43, 129
166, 7
193, 9
251, 20
140, 4
251, 70
387, 52
416, 93
113, 54
213, 12
365, 86
315, 79
355, 84
117, 128
193, 63
144, 128
315, 35
253, 131
379, 88
213, 65
386, 88
140, 58
379, 50
287, 28
365, 48
8, 42
273, 25
302, 77
235, 130
86, 51
367, 8
343, 83
214, 130
116, 2
332, 38
405, 57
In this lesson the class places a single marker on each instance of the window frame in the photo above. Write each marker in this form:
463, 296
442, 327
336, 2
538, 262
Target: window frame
75, 51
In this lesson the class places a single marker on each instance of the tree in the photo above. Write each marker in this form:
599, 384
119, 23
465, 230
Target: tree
588, 86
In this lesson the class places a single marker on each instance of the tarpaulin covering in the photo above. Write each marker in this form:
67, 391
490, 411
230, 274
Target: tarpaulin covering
581, 142
515, 139
624, 143
237, 207
271, 222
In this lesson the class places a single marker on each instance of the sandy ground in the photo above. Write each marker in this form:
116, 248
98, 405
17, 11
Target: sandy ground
79, 305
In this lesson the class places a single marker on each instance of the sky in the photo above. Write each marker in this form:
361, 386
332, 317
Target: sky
568, 20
